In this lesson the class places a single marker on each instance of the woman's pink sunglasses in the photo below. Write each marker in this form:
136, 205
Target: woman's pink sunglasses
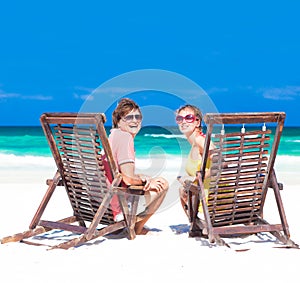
190, 118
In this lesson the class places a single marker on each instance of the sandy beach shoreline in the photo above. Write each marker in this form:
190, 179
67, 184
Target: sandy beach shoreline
166, 254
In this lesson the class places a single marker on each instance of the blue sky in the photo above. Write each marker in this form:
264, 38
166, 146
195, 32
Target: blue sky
244, 54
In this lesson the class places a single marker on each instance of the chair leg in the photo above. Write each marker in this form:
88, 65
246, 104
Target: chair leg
26, 234
281, 237
193, 211
219, 241
281, 211
198, 229
130, 213
98, 215
132, 217
52, 186
35, 231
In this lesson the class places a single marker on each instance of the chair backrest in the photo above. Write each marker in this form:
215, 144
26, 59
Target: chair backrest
81, 150
241, 164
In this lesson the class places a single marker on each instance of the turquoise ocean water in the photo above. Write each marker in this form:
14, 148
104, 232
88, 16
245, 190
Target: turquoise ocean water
18, 144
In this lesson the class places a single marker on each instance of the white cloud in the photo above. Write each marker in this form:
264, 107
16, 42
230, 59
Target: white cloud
89, 93
284, 93
83, 93
85, 89
37, 97
83, 96
7, 95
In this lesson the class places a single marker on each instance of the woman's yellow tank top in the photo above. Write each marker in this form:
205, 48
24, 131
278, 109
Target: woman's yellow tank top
194, 165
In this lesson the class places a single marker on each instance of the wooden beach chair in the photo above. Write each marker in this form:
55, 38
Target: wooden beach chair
85, 163
242, 170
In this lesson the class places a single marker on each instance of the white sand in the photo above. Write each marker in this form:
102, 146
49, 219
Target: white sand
162, 256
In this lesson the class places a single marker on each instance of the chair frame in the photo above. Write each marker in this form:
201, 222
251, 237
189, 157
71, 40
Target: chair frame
196, 193
102, 215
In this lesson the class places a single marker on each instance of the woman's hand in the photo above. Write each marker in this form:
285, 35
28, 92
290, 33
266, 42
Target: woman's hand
185, 179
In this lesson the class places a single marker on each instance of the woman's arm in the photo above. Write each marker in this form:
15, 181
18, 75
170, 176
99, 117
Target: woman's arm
200, 140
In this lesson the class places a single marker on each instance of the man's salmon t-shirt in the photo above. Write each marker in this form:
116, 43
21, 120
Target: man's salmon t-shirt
122, 146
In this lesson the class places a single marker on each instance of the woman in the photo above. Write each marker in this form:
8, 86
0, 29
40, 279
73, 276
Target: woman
189, 118
127, 119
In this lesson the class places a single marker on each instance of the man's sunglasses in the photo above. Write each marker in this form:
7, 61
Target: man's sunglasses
130, 117
190, 118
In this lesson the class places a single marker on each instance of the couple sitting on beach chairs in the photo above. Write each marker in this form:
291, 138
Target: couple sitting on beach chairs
224, 192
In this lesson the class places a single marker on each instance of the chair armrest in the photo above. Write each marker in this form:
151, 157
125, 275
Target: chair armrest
133, 189
136, 190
